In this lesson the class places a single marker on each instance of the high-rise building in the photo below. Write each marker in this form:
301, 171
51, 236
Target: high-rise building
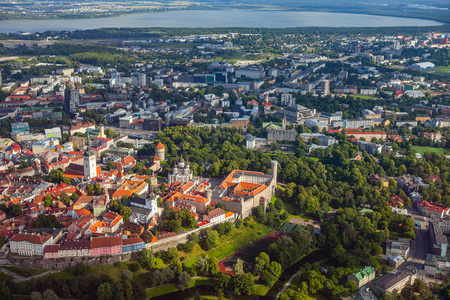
358, 49
397, 45
142, 79
325, 87
74, 100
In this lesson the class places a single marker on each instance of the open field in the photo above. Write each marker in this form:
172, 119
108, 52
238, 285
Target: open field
423, 150
362, 97
161, 290
440, 69
288, 227
261, 290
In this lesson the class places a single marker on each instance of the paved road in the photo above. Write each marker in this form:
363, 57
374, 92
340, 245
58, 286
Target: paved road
19, 278
287, 285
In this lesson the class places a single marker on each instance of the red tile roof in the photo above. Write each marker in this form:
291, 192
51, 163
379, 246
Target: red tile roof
31, 238
132, 241
428, 206
51, 249
160, 146
104, 242
128, 160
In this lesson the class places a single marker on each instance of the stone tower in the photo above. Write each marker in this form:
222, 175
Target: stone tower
160, 151
89, 162
274, 167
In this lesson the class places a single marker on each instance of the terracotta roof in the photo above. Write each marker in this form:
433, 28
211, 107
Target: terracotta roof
132, 241
76, 168
128, 160
166, 235
428, 206
31, 238
228, 214
156, 158
121, 193
193, 198
133, 227
216, 212
82, 212
96, 226
160, 146
103, 242
51, 249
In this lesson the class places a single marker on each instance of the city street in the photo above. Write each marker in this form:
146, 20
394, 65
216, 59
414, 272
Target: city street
420, 246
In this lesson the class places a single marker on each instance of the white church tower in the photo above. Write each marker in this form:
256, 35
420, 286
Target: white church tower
89, 162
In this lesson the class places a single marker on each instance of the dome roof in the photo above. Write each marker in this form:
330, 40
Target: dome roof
181, 159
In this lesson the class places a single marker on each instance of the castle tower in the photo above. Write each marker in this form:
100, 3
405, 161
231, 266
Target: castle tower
102, 131
274, 167
160, 150
89, 162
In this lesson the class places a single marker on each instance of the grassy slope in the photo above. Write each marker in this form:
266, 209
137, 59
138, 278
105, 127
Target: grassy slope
24, 271
237, 239
5, 277
170, 288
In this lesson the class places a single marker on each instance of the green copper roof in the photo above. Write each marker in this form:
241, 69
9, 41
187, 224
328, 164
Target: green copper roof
274, 124
367, 271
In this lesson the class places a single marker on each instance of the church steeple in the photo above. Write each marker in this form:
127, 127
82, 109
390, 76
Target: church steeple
88, 151
89, 162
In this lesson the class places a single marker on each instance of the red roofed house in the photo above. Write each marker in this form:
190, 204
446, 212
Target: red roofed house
200, 203
214, 216
428, 209
432, 178
111, 222
82, 224
30, 244
129, 161
106, 246
2, 215
397, 201
51, 251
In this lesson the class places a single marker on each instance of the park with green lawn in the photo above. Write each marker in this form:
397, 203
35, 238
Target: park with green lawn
422, 150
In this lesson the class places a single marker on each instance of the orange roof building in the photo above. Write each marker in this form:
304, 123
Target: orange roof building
129, 187
241, 191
